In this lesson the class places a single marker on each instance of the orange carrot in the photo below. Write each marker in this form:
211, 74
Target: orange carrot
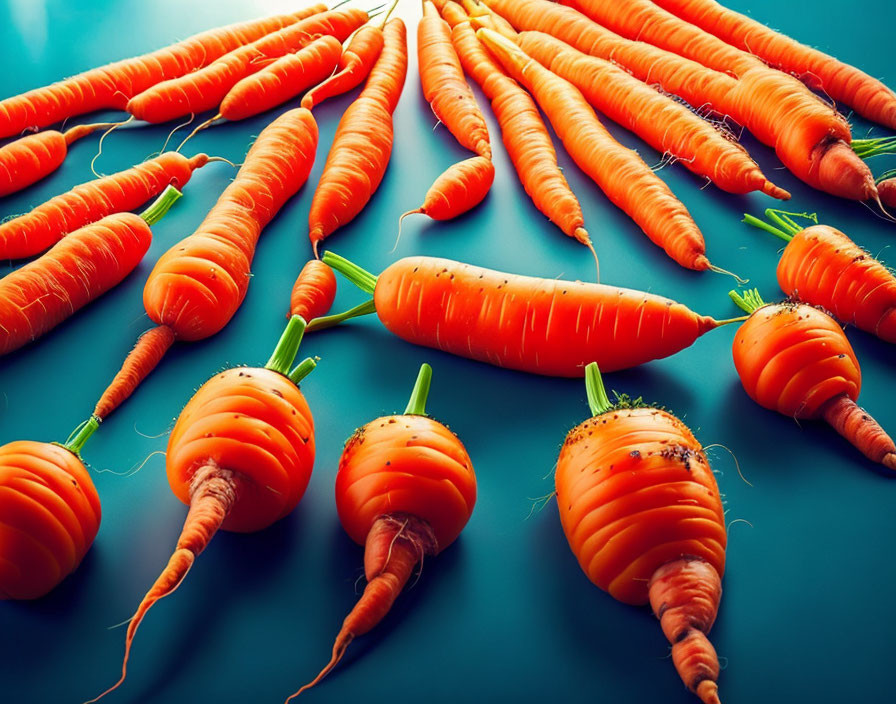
405, 489
483, 16
641, 510
84, 265
794, 359
313, 292
363, 142
240, 456
887, 191
459, 188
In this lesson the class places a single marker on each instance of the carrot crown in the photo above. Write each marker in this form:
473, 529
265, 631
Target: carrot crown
417, 403
80, 435
599, 401
161, 205
286, 350
750, 301
784, 226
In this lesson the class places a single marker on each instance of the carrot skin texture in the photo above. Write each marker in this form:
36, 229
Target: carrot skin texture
112, 85
313, 292
77, 270
353, 67
51, 514
887, 192
461, 187
282, 80
88, 202
29, 159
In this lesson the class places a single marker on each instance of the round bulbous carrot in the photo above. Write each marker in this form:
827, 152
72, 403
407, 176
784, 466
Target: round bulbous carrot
240, 456
206, 88
405, 489
84, 265
313, 292
642, 512
51, 514
112, 85
618, 171
842, 82
665, 124
198, 285
33, 232
363, 142
543, 326
794, 359
823, 267
461, 187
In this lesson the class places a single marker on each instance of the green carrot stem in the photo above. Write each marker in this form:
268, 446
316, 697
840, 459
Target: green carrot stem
361, 278
305, 367
598, 400
161, 205
886, 175
288, 347
750, 302
81, 435
762, 225
328, 321
867, 148
785, 221
417, 403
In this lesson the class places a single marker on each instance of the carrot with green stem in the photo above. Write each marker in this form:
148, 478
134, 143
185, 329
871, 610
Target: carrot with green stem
240, 456
314, 291
405, 489
794, 359
642, 512
543, 326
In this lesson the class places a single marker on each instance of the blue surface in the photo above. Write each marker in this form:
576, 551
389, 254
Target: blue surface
505, 614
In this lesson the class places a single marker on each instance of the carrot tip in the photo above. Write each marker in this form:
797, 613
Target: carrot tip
342, 642
708, 691
719, 270
889, 460
774, 191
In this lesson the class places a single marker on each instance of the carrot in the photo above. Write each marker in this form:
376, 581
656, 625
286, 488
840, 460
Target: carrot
842, 82
33, 232
665, 124
206, 88
823, 267
641, 510
405, 489
542, 326
240, 456
794, 359
363, 142
112, 85
313, 292
619, 172
51, 514
197, 286
84, 265
887, 191
483, 16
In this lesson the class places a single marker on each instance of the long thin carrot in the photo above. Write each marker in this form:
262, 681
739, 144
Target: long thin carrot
641, 510
197, 286
363, 142
313, 292
665, 124
543, 326
618, 171
240, 456
405, 489
84, 265
112, 85
51, 514
842, 82
794, 359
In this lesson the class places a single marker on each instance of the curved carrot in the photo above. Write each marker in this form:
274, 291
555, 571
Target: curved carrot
823, 267
363, 142
198, 284
459, 188
33, 232
206, 88
240, 456
641, 510
405, 489
542, 326
313, 292
842, 82
51, 514
112, 85
618, 171
84, 265
794, 359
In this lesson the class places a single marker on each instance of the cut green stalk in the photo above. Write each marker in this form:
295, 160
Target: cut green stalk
361, 278
81, 435
305, 367
288, 346
867, 148
886, 175
784, 226
762, 225
598, 400
161, 205
417, 403
328, 321
750, 302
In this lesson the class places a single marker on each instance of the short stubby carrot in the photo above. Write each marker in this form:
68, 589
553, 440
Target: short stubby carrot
313, 292
459, 188
35, 231
405, 489
206, 88
198, 285
353, 67
363, 142
112, 85
823, 267
84, 265
642, 512
794, 359
51, 514
665, 124
543, 326
240, 456
886, 189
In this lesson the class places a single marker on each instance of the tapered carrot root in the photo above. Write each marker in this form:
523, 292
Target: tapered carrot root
353, 68
313, 292
862, 431
461, 187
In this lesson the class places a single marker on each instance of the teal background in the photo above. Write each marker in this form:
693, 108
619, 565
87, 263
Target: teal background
505, 614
